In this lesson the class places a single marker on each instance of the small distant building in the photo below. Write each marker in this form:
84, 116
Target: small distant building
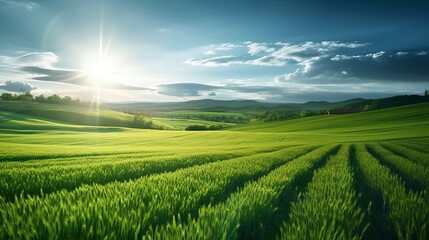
343, 111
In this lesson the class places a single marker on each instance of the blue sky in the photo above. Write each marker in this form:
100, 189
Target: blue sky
278, 51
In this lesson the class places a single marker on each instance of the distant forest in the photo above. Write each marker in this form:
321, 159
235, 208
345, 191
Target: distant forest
54, 99
396, 101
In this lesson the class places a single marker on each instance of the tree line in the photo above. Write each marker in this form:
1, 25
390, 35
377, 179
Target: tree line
268, 116
54, 99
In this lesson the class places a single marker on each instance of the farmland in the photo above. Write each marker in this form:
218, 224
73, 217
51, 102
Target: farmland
357, 176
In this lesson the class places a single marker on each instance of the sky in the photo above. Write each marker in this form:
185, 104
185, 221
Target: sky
275, 51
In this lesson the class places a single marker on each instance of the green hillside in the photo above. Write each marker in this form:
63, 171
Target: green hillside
404, 121
337, 172
389, 102
77, 115
182, 123
210, 105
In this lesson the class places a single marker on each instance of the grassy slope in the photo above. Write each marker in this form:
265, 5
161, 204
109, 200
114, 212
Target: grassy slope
227, 105
400, 122
181, 124
71, 114
44, 137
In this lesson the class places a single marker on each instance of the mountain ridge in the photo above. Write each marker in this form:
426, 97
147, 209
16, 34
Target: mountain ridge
227, 105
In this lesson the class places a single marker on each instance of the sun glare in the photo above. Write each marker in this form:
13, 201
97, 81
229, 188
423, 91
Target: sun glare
98, 70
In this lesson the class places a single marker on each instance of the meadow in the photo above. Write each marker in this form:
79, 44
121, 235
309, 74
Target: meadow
356, 176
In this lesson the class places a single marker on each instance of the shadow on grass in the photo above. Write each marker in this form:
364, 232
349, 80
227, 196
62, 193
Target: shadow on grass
273, 223
380, 227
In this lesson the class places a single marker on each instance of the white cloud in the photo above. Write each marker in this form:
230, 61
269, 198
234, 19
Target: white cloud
421, 53
401, 53
288, 76
214, 61
308, 50
376, 55
342, 57
226, 46
30, 6
255, 48
37, 59
267, 61
269, 54
372, 67
215, 48
210, 52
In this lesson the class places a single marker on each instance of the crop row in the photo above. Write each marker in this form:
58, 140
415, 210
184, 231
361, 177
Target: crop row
127, 210
418, 146
408, 211
247, 213
413, 172
33, 176
413, 155
113, 158
24, 152
51, 178
70, 161
329, 209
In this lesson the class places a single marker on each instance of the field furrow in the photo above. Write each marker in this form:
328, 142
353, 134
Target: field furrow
407, 211
246, 213
15, 152
416, 175
329, 209
127, 210
48, 179
70, 161
408, 153
420, 147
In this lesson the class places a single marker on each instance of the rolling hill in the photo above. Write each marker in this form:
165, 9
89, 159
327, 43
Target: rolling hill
211, 105
409, 120
77, 115
57, 174
389, 102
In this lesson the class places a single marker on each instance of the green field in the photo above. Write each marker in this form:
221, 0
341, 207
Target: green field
357, 176
72, 114
181, 123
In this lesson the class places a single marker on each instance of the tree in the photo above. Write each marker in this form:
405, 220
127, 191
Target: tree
426, 92
7, 97
54, 99
196, 127
67, 100
40, 98
25, 97
305, 113
375, 104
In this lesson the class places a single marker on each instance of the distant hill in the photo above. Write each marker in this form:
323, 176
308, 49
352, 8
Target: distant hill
389, 102
211, 105
391, 123
78, 115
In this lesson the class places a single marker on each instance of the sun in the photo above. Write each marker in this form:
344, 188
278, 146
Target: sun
98, 70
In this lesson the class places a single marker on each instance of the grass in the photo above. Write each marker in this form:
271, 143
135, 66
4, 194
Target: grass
401, 122
329, 209
72, 114
182, 123
69, 181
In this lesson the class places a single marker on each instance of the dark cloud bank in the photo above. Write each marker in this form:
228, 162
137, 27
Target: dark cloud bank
378, 67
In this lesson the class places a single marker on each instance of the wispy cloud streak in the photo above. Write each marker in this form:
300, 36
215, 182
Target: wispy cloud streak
28, 5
